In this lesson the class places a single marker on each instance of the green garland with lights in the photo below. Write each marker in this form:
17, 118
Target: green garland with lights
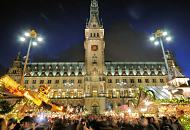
176, 100
5, 107
185, 121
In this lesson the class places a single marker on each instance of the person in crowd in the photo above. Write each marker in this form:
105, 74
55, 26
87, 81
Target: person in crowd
156, 124
175, 124
144, 125
166, 124
2, 124
82, 125
27, 123
12, 124
92, 122
57, 124
151, 123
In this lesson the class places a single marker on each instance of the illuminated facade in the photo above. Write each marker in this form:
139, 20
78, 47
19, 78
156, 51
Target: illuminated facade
94, 82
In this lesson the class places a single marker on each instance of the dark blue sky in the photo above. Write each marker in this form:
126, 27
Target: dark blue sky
127, 23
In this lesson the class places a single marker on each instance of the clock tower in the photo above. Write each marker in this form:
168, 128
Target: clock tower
94, 46
94, 43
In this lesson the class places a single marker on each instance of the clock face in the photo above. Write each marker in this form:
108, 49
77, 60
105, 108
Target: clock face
94, 47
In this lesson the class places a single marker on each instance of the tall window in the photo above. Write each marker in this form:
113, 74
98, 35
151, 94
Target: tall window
161, 80
109, 80
33, 81
132, 80
14, 71
56, 81
41, 81
154, 80
125, 80
117, 80
146, 80
94, 58
26, 82
72, 81
49, 82
79, 81
64, 81
139, 81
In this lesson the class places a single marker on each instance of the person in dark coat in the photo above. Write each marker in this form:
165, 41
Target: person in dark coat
12, 124
166, 125
28, 123
143, 124
175, 124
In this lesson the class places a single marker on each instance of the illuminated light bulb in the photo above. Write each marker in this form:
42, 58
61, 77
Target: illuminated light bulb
156, 43
165, 33
40, 39
168, 38
27, 34
152, 38
34, 43
22, 39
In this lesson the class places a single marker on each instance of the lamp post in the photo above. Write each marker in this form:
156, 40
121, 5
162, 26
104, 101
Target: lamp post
122, 84
33, 40
158, 38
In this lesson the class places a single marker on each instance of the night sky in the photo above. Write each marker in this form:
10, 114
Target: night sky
127, 23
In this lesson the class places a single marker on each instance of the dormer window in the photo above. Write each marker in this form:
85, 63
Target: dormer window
57, 67
50, 67
43, 67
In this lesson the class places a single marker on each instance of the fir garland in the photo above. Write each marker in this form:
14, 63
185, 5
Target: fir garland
5, 107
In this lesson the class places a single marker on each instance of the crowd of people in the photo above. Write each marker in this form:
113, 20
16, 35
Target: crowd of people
92, 122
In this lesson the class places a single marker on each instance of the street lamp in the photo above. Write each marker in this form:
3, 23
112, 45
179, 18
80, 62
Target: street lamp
157, 38
34, 38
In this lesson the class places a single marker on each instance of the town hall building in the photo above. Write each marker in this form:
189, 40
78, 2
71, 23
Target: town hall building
93, 83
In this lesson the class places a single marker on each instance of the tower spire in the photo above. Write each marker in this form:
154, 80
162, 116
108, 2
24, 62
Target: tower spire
18, 57
94, 21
